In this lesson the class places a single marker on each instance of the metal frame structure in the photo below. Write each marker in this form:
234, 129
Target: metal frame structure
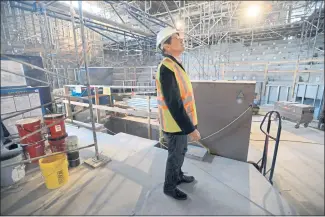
85, 56
122, 33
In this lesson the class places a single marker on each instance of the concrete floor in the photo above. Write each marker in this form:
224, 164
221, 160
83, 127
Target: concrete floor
299, 171
131, 184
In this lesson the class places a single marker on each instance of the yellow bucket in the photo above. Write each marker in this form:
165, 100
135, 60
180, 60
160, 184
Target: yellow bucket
54, 170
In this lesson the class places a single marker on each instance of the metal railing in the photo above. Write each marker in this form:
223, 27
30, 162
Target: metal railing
262, 168
48, 73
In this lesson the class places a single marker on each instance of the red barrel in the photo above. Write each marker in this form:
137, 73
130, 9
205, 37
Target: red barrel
35, 150
57, 130
34, 145
57, 144
27, 126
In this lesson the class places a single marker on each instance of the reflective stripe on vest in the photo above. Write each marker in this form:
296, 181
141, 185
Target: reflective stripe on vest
179, 74
167, 122
161, 101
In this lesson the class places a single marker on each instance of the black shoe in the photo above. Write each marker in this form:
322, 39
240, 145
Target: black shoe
186, 179
177, 194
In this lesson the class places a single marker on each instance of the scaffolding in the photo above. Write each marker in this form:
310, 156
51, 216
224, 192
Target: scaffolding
123, 33
98, 158
58, 78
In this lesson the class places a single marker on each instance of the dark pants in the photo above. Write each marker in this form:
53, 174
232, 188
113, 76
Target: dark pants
177, 147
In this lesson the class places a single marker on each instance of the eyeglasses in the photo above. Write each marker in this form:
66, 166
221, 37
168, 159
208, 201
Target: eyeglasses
180, 35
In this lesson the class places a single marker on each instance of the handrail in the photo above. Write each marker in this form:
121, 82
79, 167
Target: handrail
262, 169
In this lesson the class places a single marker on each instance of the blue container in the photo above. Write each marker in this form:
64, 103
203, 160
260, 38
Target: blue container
103, 100
84, 92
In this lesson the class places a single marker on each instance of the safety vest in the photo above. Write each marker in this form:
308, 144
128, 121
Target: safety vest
166, 120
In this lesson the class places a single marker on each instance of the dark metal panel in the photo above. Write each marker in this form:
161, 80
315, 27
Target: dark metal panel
217, 106
98, 76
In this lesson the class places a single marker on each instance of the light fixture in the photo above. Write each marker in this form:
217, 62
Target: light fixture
85, 6
179, 25
253, 10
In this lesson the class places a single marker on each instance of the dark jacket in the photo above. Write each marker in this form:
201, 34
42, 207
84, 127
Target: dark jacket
171, 93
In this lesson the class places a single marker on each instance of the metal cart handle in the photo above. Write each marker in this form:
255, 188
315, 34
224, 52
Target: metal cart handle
277, 140
280, 124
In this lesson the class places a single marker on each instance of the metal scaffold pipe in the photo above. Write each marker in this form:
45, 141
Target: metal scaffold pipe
107, 22
40, 130
25, 76
84, 50
44, 156
38, 68
30, 109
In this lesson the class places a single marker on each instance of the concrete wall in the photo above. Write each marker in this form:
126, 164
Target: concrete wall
217, 106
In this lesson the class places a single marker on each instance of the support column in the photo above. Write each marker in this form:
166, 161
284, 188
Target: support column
294, 79
68, 111
97, 103
149, 114
72, 12
264, 82
84, 50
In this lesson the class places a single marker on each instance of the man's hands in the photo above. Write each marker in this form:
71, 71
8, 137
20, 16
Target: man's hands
195, 135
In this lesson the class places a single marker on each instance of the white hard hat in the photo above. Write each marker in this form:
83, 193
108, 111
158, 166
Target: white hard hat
163, 35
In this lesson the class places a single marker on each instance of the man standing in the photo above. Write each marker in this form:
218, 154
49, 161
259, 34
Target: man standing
177, 110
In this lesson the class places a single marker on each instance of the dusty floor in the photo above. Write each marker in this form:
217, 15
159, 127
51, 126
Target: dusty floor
299, 171
299, 176
131, 184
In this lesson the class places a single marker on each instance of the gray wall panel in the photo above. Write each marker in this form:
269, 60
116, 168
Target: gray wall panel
217, 106
98, 76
